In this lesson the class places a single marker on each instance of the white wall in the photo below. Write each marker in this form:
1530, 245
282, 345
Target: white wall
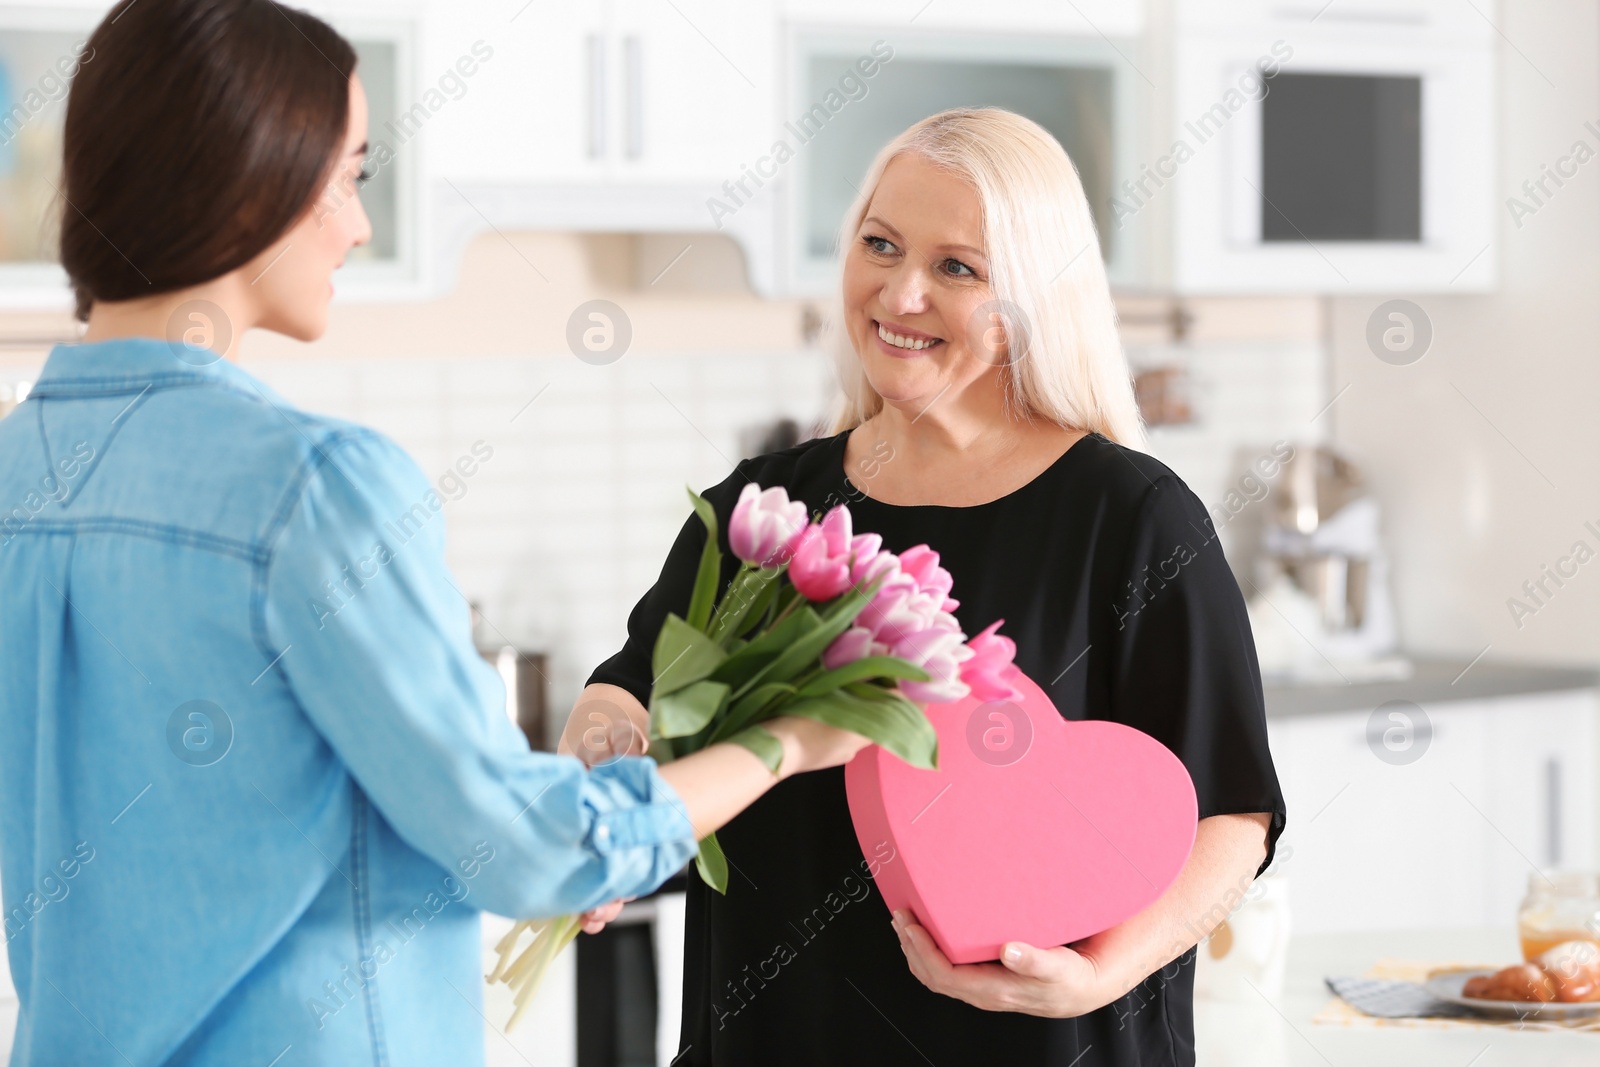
1486, 453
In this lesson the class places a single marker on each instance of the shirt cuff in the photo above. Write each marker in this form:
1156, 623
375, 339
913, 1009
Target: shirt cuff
654, 816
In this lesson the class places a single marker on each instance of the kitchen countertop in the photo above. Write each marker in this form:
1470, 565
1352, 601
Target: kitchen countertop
1431, 681
1279, 1032
1275, 1032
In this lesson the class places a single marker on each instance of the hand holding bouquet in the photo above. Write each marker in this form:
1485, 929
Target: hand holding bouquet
818, 622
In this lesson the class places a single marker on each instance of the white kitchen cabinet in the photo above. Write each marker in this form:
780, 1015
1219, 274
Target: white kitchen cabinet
614, 91
532, 111
1504, 786
699, 88
1378, 846
1112, 18
1541, 790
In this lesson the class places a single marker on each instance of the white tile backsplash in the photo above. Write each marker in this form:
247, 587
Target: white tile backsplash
567, 525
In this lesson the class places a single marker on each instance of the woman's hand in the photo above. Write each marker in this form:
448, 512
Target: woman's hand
607, 722
1064, 982
594, 920
809, 745
1057, 983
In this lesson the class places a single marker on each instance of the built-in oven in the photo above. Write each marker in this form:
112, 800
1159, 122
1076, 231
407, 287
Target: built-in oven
630, 984
1331, 147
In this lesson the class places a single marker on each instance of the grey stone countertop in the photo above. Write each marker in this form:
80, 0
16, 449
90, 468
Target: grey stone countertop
1432, 681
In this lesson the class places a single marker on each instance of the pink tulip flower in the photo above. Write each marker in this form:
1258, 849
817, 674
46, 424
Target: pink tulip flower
941, 652
820, 566
990, 669
766, 526
922, 563
895, 611
909, 615
855, 643
870, 560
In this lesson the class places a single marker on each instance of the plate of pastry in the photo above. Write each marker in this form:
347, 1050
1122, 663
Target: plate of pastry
1557, 984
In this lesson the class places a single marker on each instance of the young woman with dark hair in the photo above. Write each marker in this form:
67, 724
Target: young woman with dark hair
255, 781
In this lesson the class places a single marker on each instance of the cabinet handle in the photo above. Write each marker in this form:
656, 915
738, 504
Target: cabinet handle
633, 93
597, 95
1552, 812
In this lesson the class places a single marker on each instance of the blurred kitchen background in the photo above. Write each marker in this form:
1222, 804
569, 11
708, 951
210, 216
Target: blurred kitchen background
1355, 248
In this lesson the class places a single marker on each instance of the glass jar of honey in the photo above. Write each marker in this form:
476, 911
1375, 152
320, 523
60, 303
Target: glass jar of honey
1560, 906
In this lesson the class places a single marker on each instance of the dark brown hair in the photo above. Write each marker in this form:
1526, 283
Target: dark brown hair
199, 133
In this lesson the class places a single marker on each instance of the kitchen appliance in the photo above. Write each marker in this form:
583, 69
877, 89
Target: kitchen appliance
1365, 163
630, 983
1322, 545
525, 675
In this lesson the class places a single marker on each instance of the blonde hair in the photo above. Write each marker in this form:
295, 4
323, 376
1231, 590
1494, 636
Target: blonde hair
1044, 265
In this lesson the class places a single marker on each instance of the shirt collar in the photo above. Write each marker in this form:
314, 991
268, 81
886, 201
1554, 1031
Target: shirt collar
135, 364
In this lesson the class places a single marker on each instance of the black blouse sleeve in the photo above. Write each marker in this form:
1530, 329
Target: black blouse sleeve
630, 667
1184, 666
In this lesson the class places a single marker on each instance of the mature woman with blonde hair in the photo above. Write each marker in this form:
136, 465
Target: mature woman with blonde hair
987, 411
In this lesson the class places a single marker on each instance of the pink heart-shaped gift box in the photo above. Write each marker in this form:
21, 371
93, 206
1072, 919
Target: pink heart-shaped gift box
1034, 828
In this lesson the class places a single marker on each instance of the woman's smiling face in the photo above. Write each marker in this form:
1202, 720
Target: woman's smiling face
915, 278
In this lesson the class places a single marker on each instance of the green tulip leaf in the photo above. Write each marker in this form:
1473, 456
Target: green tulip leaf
887, 719
710, 572
746, 599
712, 864
763, 744
682, 655
686, 711
804, 649
740, 667
861, 670
752, 707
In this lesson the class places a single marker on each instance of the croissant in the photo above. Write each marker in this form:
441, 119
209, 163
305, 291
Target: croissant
1575, 968
1568, 973
1523, 981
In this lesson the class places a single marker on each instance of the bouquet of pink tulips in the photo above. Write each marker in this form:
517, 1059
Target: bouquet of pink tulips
855, 637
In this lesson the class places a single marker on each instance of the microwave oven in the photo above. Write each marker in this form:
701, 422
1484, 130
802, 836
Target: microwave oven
1364, 163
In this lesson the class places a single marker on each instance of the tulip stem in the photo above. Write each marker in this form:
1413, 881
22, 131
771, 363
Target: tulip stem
794, 599
717, 622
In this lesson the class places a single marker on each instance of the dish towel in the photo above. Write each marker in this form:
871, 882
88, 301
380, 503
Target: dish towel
1394, 1000
1391, 994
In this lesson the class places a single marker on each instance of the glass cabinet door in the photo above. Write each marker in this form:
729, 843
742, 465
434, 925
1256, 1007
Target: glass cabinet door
1077, 90
1072, 102
40, 53
36, 69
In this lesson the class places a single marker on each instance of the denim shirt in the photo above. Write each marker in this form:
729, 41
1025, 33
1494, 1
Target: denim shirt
255, 780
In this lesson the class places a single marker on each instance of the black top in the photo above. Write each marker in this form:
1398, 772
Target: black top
1109, 576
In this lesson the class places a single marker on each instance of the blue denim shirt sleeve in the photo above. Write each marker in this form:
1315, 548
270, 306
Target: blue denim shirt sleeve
372, 636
